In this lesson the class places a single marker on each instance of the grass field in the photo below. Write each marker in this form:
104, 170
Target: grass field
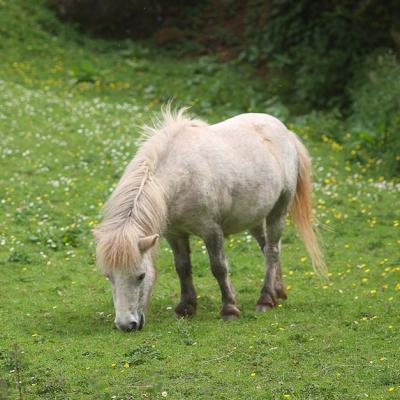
69, 107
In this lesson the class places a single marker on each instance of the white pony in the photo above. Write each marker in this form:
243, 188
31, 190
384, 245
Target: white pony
191, 178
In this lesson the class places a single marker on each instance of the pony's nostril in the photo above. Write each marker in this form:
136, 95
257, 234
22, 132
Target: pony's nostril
132, 326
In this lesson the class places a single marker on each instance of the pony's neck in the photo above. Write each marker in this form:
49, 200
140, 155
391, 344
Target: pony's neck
148, 208
139, 198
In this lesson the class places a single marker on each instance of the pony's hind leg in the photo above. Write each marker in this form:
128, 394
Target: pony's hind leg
181, 249
219, 266
268, 236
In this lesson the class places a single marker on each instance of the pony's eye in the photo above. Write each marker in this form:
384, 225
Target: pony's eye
141, 277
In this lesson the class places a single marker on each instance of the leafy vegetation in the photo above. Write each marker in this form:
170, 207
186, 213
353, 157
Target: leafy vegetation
337, 58
376, 111
316, 46
69, 107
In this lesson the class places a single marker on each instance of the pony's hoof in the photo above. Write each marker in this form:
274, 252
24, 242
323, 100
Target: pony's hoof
230, 312
267, 301
185, 310
263, 308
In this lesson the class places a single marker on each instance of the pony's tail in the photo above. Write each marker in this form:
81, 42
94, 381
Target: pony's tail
117, 246
302, 212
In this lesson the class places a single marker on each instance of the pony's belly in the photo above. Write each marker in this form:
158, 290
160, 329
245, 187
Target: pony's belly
247, 208
201, 221
246, 219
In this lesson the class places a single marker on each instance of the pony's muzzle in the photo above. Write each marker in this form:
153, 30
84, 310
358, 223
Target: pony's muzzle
129, 325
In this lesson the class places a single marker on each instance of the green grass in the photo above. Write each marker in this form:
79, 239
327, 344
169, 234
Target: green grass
68, 110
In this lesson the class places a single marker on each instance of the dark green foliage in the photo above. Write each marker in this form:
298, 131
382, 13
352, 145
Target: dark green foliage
117, 18
370, 134
375, 120
316, 45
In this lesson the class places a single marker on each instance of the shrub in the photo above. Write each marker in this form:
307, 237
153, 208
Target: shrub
313, 47
375, 121
117, 18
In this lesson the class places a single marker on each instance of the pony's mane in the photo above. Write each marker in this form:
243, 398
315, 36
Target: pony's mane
137, 207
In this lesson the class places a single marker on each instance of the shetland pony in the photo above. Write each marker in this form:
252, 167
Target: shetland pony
192, 178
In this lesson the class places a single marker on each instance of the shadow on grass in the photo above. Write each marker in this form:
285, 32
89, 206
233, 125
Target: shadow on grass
77, 322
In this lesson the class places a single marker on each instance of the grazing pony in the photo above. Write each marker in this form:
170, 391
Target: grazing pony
192, 178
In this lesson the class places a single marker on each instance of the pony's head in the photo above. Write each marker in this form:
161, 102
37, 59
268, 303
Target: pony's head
133, 218
127, 262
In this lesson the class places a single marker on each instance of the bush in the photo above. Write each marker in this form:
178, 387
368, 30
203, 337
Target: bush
375, 121
117, 18
313, 47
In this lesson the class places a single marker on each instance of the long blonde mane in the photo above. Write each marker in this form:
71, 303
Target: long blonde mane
137, 207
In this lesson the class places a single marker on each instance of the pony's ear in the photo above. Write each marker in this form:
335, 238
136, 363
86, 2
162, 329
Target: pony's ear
147, 242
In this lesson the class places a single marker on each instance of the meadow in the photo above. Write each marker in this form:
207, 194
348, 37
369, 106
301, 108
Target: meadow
70, 107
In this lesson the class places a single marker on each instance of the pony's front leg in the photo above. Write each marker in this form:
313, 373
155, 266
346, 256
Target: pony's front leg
219, 267
181, 249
